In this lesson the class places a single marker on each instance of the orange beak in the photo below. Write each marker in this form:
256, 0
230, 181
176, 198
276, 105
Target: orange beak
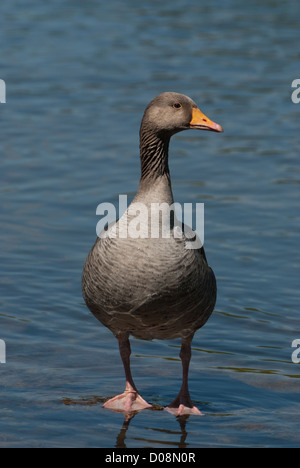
201, 122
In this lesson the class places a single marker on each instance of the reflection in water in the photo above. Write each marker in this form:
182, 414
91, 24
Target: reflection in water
120, 441
182, 420
128, 417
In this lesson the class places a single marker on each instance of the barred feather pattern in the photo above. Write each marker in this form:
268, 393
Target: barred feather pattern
154, 156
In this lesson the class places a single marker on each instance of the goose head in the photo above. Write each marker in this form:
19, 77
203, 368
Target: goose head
170, 113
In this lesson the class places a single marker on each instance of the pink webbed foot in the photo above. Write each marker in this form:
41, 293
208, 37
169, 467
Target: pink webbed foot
182, 410
127, 402
182, 406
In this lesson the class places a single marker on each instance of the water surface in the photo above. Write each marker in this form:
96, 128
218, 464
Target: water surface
78, 76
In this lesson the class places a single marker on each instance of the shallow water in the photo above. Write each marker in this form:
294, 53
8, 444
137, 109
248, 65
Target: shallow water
78, 76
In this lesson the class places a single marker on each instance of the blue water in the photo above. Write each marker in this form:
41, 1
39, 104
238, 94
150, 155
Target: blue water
78, 77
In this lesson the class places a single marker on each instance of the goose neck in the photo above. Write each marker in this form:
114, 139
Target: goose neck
154, 151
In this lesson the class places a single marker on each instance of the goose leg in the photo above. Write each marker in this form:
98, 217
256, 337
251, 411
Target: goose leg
130, 400
183, 403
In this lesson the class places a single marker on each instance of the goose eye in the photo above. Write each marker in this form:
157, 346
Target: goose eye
177, 105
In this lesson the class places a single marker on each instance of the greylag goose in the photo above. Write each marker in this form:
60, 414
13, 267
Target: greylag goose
152, 287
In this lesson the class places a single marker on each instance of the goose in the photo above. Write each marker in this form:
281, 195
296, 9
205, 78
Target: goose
152, 287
